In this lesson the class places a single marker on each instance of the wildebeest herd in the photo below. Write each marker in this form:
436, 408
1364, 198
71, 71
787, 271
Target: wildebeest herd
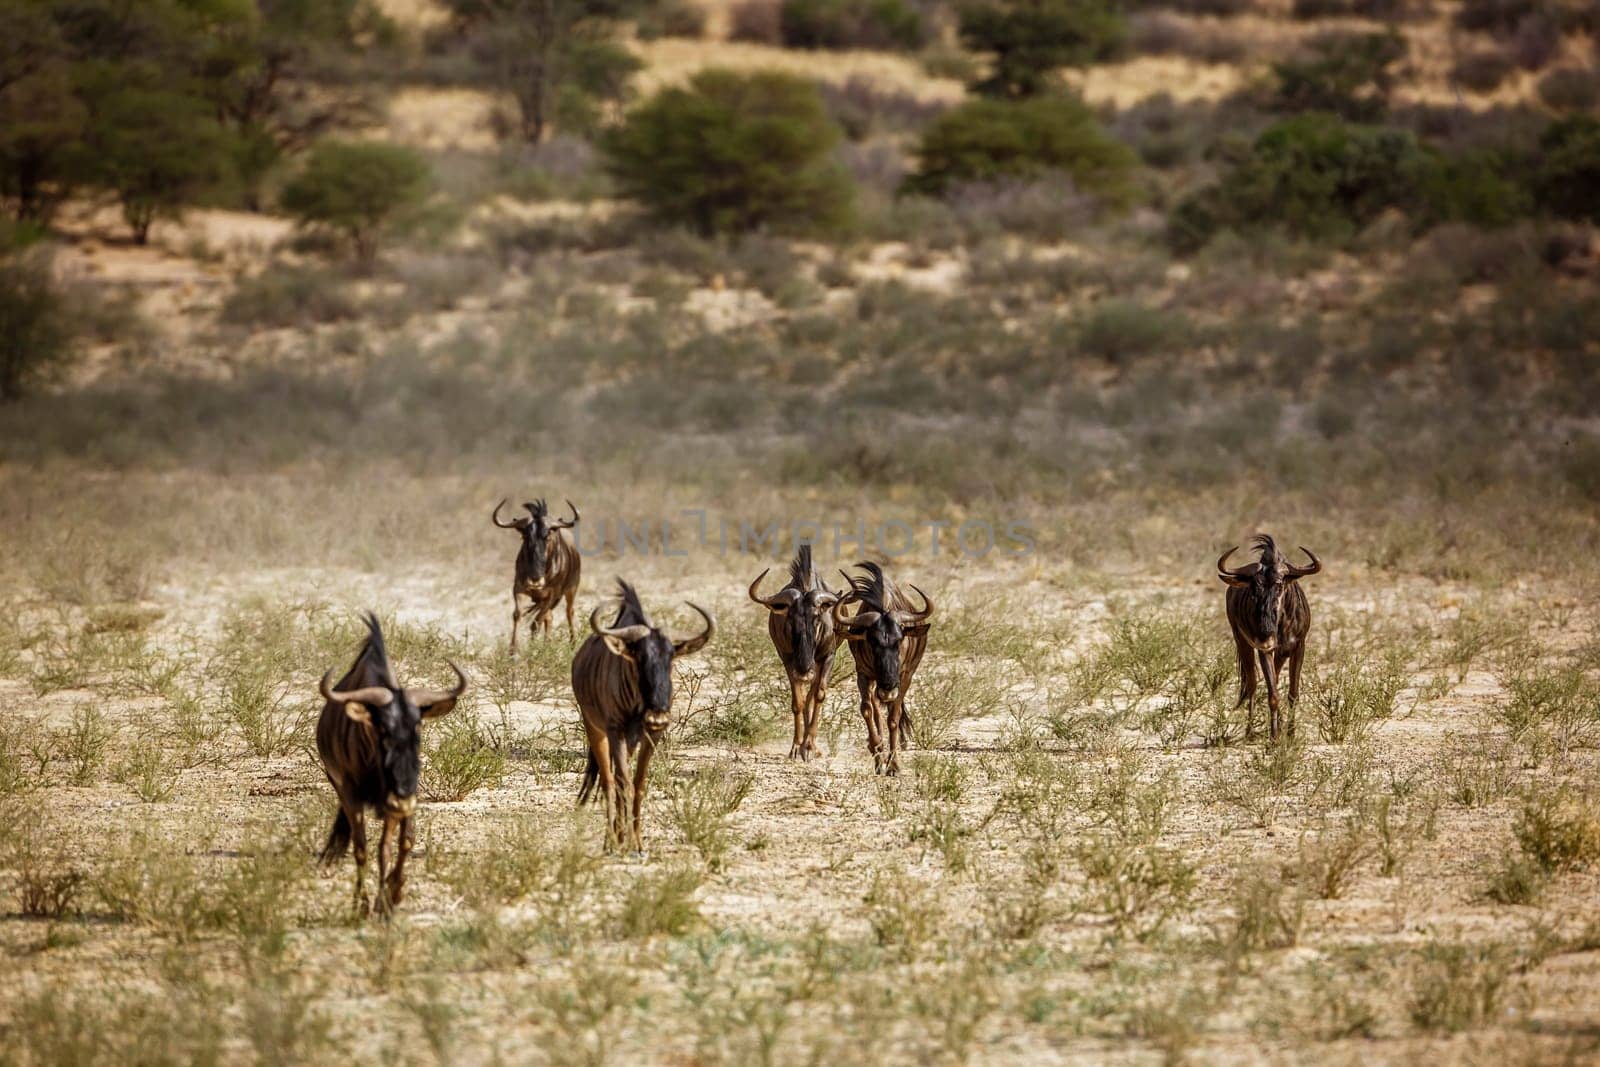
369, 735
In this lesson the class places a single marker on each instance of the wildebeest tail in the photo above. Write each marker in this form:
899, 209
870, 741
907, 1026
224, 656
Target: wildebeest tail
591, 777
338, 839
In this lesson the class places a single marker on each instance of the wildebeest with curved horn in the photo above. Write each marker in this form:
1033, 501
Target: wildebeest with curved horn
800, 623
1270, 618
887, 637
547, 566
622, 679
369, 738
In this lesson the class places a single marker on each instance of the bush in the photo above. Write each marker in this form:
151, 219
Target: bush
1345, 73
357, 189
672, 18
986, 140
883, 25
1569, 89
1323, 179
1483, 71
1031, 39
756, 21
35, 330
283, 297
1536, 41
1494, 16
733, 152
1567, 171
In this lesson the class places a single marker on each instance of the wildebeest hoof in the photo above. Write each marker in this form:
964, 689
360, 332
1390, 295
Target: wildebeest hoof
797, 752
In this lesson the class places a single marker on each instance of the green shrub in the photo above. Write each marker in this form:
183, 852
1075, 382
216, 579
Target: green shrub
1494, 16
357, 189
1314, 175
283, 296
1483, 71
1570, 89
1567, 171
883, 25
1345, 73
35, 330
733, 152
1474, 187
1030, 39
986, 140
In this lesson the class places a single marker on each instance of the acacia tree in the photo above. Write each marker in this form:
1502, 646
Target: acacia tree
1031, 39
357, 189
158, 151
559, 59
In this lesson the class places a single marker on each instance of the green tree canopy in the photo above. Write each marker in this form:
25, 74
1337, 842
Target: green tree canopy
356, 188
1029, 40
732, 152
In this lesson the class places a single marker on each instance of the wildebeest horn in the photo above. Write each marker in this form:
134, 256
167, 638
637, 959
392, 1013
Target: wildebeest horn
622, 633
372, 695
1239, 576
514, 524
690, 645
1300, 572
866, 618
434, 696
780, 601
914, 618
566, 524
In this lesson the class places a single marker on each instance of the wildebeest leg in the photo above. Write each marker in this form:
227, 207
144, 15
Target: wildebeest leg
1294, 682
395, 884
869, 712
814, 703
358, 846
624, 790
600, 746
572, 595
1247, 685
646, 748
1275, 722
385, 838
544, 617
896, 711
799, 692
516, 617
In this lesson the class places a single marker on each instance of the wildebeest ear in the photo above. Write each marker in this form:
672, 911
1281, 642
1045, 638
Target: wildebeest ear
358, 713
437, 708
617, 647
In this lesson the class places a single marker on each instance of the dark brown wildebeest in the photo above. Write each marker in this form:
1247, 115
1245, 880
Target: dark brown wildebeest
887, 638
622, 678
1270, 618
547, 566
369, 738
800, 623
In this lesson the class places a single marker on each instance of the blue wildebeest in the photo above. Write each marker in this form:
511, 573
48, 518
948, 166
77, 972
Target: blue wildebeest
547, 568
622, 679
887, 637
800, 623
1270, 618
369, 738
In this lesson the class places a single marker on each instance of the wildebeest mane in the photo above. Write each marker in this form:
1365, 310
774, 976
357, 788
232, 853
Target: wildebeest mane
537, 508
800, 569
1268, 548
630, 612
873, 589
376, 652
